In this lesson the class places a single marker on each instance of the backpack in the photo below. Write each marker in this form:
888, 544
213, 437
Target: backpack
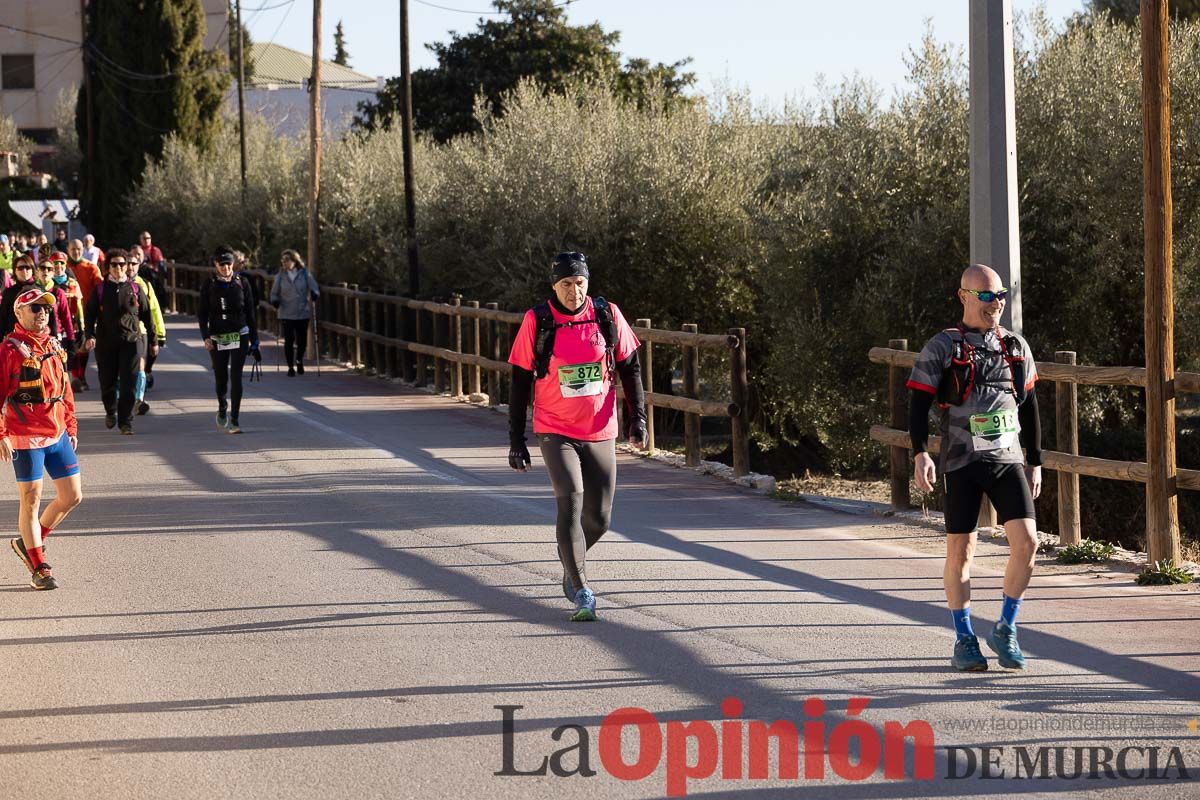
30, 384
958, 381
137, 296
543, 340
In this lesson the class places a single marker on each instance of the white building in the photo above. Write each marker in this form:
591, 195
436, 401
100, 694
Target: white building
278, 90
41, 56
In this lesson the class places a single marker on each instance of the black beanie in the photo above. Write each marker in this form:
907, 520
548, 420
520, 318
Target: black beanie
568, 265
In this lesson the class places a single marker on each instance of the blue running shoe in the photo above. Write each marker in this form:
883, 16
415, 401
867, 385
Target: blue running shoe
967, 656
585, 606
1003, 640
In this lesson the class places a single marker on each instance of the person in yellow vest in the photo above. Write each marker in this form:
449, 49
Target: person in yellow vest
145, 344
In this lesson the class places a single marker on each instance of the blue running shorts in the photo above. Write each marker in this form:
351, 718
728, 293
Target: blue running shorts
58, 459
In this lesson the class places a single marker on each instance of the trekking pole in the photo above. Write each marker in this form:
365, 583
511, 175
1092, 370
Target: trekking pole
316, 337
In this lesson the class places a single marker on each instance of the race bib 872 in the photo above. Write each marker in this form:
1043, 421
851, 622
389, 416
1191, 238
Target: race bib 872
581, 380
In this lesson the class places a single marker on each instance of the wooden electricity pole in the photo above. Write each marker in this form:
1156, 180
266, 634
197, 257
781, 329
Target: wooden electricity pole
1162, 507
314, 128
406, 116
241, 79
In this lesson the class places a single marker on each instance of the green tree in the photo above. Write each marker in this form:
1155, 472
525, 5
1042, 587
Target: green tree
340, 54
1128, 10
150, 77
534, 41
247, 45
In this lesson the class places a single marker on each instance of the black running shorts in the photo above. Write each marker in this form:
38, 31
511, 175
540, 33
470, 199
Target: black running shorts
1004, 484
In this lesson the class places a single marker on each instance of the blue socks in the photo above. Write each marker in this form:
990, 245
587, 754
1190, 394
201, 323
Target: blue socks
139, 387
962, 621
1008, 614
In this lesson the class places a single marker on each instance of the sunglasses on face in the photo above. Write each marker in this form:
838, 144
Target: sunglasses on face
39, 309
986, 296
115, 264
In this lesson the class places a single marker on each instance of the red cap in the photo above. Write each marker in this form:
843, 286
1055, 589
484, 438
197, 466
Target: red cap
32, 297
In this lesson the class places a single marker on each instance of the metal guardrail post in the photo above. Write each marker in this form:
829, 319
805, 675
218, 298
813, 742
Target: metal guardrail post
1066, 424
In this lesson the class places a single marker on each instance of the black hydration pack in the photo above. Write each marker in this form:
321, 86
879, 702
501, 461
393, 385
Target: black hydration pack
543, 338
960, 379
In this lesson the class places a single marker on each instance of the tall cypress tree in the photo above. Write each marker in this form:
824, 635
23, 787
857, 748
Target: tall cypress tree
150, 78
340, 54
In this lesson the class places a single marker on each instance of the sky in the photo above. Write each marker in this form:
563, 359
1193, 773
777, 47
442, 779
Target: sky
775, 49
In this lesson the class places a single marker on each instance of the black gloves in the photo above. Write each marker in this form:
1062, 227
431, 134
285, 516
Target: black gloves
518, 454
256, 354
275, 303
637, 430
313, 296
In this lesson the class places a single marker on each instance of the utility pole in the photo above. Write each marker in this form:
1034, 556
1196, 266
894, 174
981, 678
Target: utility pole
314, 128
406, 115
1162, 506
241, 66
87, 92
995, 236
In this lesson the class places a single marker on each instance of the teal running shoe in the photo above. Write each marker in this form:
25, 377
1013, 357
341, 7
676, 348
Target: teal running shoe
967, 656
585, 606
1003, 641
222, 420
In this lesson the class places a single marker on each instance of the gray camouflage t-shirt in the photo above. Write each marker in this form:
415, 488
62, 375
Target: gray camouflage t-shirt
985, 427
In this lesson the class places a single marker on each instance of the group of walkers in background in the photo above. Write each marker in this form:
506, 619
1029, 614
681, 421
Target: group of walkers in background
63, 300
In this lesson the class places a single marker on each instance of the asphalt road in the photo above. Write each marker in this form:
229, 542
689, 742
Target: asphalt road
335, 603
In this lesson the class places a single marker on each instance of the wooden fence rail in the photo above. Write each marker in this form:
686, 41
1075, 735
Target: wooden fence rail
1066, 461
423, 341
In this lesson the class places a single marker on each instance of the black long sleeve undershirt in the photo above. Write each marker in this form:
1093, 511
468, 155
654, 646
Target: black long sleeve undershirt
518, 402
1027, 415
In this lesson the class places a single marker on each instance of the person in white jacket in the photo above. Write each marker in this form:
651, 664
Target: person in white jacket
292, 294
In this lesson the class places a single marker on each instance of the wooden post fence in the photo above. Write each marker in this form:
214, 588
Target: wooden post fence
1066, 425
898, 456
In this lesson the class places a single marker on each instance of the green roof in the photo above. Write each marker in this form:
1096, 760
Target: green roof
285, 67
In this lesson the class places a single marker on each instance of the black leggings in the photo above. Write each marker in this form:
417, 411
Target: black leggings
584, 476
295, 340
116, 363
227, 366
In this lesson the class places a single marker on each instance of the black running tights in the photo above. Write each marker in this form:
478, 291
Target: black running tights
584, 476
227, 366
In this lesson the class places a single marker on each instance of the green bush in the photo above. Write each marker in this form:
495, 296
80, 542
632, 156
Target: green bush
1087, 551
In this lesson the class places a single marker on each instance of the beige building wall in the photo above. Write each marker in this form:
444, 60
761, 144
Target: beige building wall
58, 65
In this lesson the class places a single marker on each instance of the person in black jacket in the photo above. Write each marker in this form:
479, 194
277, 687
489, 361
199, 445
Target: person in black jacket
111, 321
228, 327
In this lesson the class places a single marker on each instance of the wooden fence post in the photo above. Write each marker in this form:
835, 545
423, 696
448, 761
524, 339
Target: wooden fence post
366, 325
357, 312
421, 378
691, 388
456, 373
739, 390
476, 373
343, 316
439, 372
647, 359
898, 394
493, 384
174, 288
1066, 424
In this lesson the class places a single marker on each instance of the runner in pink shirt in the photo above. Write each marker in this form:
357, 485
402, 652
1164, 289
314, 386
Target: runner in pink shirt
568, 352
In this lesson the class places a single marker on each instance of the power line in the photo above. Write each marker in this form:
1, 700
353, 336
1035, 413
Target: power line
15, 29
492, 13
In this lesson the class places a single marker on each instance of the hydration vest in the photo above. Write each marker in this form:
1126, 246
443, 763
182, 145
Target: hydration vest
31, 387
959, 380
543, 339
